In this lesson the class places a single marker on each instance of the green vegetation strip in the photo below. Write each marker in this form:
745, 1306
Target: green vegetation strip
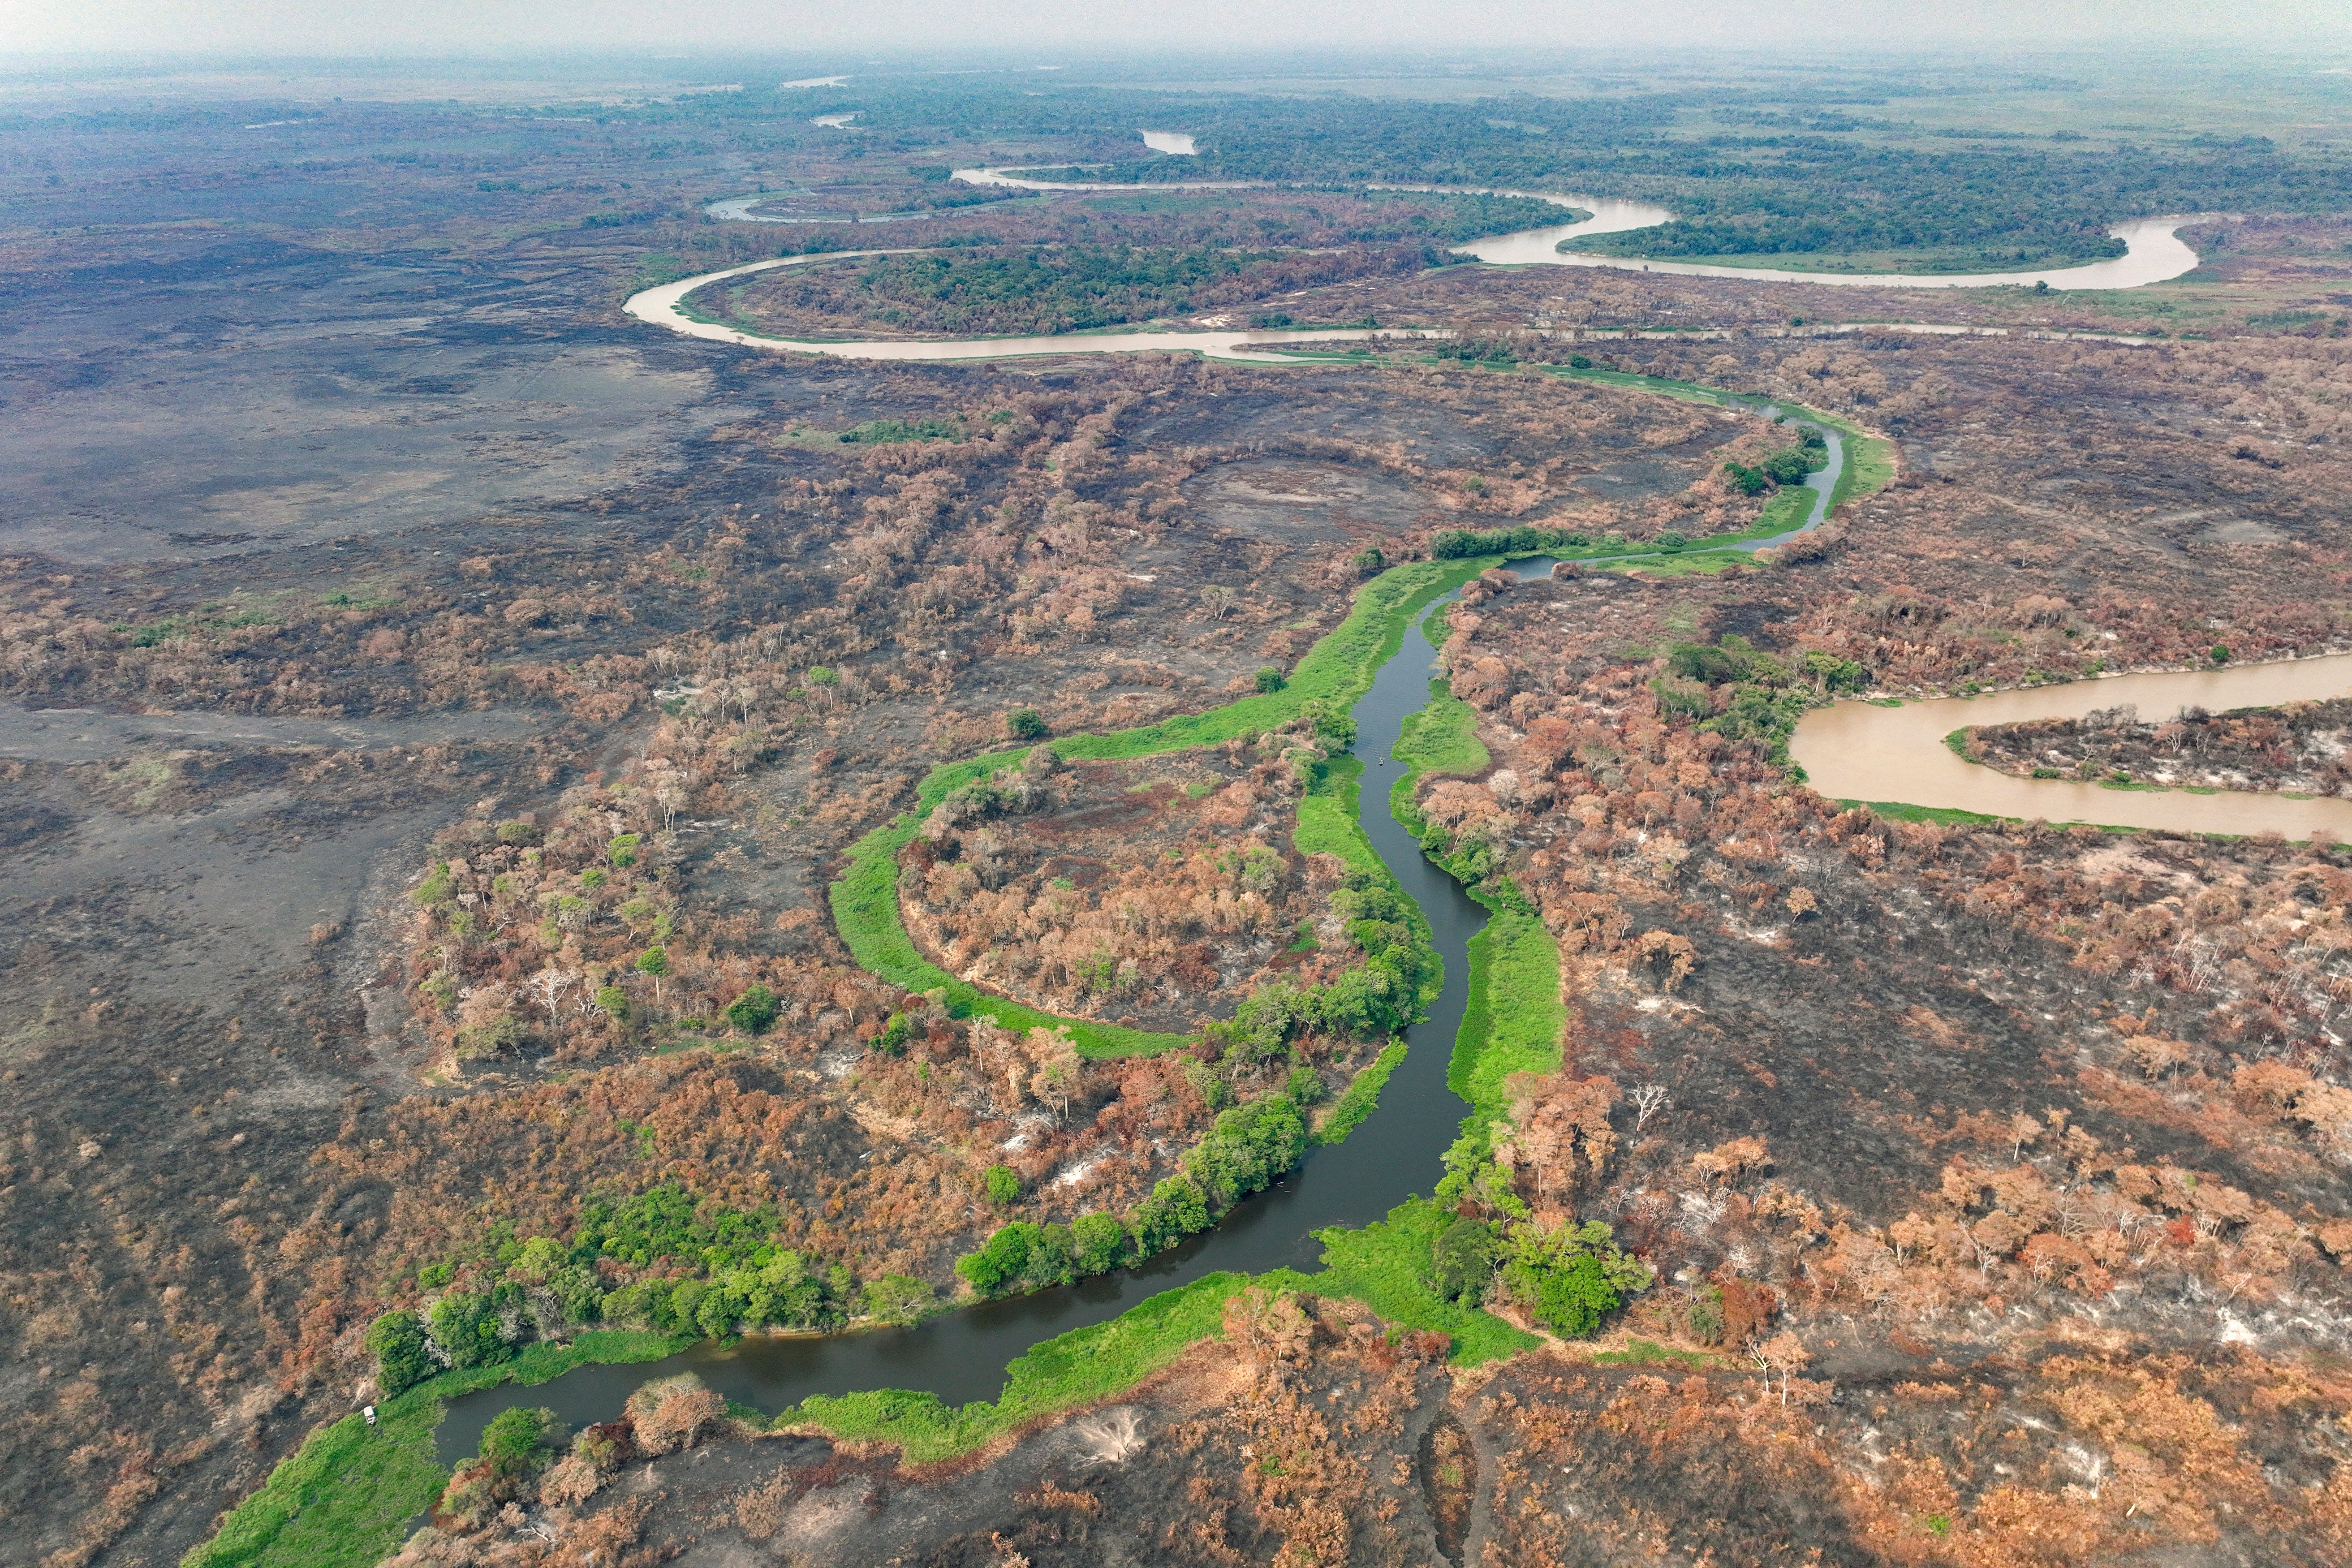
1073, 1369
1328, 825
1334, 674
1386, 1265
345, 1497
1514, 1019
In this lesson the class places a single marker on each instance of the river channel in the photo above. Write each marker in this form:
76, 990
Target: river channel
2154, 252
1859, 751
961, 1356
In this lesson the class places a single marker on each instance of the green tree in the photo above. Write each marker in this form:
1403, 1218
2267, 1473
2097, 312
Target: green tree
468, 1330
892, 1040
622, 850
1270, 680
403, 1356
1026, 724
1003, 1185
516, 1440
1574, 1299
1175, 1209
1463, 1260
654, 962
897, 1298
1101, 1242
1002, 1261
754, 1010
614, 1002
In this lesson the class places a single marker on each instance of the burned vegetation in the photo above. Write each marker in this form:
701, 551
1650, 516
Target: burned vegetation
2296, 748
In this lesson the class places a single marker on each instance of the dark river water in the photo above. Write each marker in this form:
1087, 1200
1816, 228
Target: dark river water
1395, 1153
961, 1356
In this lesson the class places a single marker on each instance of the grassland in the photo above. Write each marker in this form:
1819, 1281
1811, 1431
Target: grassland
345, 1497
1387, 1265
1514, 1019
1060, 1373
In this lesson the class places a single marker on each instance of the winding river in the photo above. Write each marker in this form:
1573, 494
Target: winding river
2156, 252
961, 1356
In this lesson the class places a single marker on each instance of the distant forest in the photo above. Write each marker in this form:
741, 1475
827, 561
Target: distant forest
1060, 288
1822, 181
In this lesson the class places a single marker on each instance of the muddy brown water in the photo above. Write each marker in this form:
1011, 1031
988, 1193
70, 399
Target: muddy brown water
1856, 750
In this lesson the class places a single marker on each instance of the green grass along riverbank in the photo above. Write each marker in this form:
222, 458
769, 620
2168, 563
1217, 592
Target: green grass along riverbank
345, 1499
342, 1499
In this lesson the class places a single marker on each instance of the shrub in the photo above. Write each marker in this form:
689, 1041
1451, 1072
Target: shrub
1026, 724
1574, 1299
1306, 1086
1571, 1276
436, 889
1175, 1209
892, 1040
1270, 680
622, 850
470, 1330
1003, 1185
402, 1357
614, 1003
499, 1036
753, 1011
670, 1414
1706, 1317
521, 833
515, 1441
1370, 562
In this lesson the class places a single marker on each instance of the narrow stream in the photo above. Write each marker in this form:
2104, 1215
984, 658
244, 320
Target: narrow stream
961, 1356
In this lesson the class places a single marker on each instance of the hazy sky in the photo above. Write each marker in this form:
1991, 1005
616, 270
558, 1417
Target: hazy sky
2323, 28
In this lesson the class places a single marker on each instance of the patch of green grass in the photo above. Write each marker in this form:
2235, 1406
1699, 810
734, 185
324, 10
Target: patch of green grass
1514, 1019
1442, 738
1698, 564
1073, 1369
1336, 671
1387, 1267
1943, 815
1649, 1353
1957, 743
345, 1498
1361, 1096
1869, 467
